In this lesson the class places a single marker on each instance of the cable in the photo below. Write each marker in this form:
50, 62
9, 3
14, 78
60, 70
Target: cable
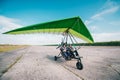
73, 38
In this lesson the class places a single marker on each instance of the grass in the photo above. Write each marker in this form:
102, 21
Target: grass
112, 43
6, 48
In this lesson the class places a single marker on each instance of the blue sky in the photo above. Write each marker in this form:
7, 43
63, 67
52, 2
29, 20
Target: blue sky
102, 18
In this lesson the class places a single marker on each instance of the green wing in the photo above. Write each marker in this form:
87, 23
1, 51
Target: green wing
74, 25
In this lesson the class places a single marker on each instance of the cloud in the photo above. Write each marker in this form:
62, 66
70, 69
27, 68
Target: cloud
105, 12
108, 8
98, 37
115, 23
93, 28
102, 25
8, 24
30, 39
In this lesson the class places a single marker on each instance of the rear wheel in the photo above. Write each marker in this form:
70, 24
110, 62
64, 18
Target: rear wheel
79, 65
55, 58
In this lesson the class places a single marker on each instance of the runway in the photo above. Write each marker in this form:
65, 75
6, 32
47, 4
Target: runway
37, 63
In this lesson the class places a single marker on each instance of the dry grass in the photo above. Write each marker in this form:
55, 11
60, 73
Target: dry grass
6, 48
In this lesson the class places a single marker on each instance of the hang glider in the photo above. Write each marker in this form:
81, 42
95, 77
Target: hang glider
74, 25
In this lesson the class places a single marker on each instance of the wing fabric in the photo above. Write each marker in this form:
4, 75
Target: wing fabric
74, 25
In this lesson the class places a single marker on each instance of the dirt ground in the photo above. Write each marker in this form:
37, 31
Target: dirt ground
37, 63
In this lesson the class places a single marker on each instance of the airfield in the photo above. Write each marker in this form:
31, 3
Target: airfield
37, 63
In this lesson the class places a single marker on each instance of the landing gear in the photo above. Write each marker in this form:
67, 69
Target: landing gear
79, 65
55, 58
69, 51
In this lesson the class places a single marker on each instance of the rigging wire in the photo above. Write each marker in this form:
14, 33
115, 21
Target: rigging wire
73, 38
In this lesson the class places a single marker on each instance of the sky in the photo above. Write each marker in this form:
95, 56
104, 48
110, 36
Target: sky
101, 17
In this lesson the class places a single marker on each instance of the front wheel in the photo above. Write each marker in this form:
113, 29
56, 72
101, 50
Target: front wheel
79, 65
55, 58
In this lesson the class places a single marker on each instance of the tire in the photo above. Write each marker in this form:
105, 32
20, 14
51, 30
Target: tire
79, 65
55, 58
